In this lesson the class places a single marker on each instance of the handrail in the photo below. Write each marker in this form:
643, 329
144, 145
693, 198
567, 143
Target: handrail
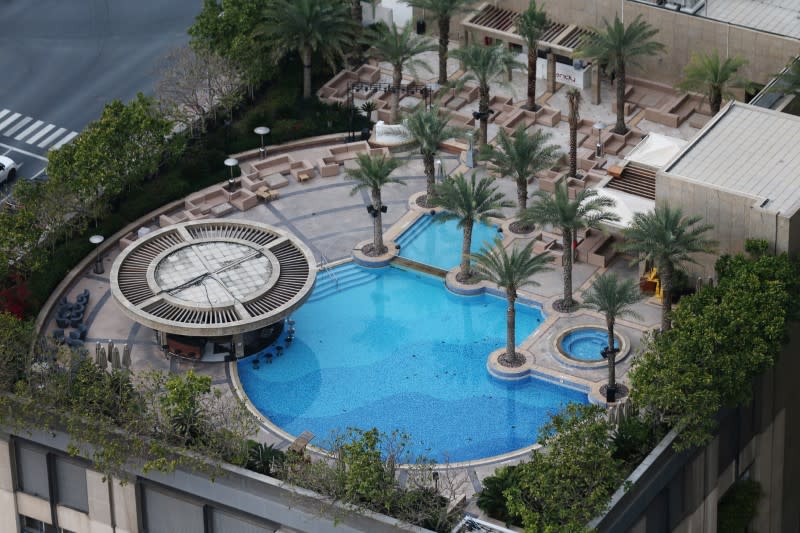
322, 266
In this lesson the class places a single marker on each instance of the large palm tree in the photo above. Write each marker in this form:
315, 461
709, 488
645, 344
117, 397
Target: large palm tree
429, 129
618, 46
483, 64
443, 11
520, 156
372, 173
510, 272
587, 210
613, 297
573, 118
398, 46
531, 25
712, 75
667, 238
468, 202
307, 26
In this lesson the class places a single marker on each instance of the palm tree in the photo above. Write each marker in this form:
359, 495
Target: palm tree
531, 25
667, 238
429, 129
616, 46
574, 100
484, 64
789, 80
712, 75
442, 11
468, 202
373, 172
510, 272
307, 26
356, 12
587, 210
520, 156
398, 46
612, 297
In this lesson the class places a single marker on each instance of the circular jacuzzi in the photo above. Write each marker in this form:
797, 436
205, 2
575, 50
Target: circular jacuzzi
583, 345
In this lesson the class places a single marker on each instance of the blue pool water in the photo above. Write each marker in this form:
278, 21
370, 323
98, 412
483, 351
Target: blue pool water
586, 344
439, 244
393, 349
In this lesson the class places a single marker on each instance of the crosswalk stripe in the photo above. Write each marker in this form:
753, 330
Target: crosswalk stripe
65, 140
3, 113
19, 124
40, 134
28, 130
9, 120
59, 132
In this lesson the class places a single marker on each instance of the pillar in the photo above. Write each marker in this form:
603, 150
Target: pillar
551, 72
238, 345
595, 83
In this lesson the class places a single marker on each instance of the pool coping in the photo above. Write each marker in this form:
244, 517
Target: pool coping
624, 348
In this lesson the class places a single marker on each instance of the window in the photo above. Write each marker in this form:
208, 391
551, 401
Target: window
32, 471
223, 522
168, 513
31, 525
71, 485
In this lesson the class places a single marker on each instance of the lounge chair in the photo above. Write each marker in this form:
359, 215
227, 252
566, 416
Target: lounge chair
300, 443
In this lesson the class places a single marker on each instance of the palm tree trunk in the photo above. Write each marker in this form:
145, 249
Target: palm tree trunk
665, 274
612, 355
567, 244
397, 80
465, 249
715, 100
377, 222
573, 149
444, 42
430, 175
355, 12
522, 192
483, 109
306, 56
620, 127
532, 56
511, 345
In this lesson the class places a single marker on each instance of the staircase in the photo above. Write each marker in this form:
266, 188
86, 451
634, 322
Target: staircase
636, 179
345, 277
411, 233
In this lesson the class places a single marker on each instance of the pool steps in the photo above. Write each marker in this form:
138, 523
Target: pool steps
347, 276
418, 227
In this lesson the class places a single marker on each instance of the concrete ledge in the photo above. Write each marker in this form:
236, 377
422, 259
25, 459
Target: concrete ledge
412, 204
300, 144
508, 373
563, 358
379, 261
464, 289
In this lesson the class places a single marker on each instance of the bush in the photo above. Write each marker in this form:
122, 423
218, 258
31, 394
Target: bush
264, 459
634, 438
492, 500
738, 506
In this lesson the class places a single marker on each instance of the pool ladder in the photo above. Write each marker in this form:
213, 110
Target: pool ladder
323, 266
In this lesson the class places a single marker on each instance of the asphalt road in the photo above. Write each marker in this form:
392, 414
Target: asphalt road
61, 62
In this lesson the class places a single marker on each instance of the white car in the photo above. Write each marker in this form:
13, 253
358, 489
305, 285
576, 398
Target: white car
8, 169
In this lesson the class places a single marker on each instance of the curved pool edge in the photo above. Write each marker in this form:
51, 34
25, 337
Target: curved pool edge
624, 348
270, 427
379, 261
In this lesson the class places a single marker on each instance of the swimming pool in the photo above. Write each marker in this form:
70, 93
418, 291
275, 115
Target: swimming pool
393, 349
585, 344
439, 244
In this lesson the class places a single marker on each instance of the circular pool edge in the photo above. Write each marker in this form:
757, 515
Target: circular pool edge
624, 348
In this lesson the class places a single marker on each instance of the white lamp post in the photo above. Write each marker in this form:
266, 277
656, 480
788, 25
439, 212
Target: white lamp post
230, 163
599, 126
98, 263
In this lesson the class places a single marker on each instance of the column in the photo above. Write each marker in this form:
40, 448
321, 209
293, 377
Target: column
551, 72
595, 83
8, 505
238, 344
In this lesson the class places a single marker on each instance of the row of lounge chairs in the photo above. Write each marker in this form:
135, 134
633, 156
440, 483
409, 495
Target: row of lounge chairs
71, 315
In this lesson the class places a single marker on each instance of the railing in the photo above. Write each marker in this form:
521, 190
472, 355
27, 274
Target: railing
323, 266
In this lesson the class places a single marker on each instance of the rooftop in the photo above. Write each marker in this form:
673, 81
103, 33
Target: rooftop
747, 150
775, 16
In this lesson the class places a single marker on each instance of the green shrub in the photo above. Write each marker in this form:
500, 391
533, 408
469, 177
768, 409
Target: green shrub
756, 247
634, 438
264, 458
492, 500
738, 506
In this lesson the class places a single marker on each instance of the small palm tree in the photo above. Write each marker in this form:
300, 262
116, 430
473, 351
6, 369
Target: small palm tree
510, 273
429, 129
468, 202
531, 25
398, 46
667, 238
484, 64
574, 118
372, 173
612, 297
587, 210
443, 11
712, 76
520, 156
617, 46
307, 26
790, 80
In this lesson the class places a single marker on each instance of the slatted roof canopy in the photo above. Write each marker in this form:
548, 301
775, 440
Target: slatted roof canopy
501, 24
212, 277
